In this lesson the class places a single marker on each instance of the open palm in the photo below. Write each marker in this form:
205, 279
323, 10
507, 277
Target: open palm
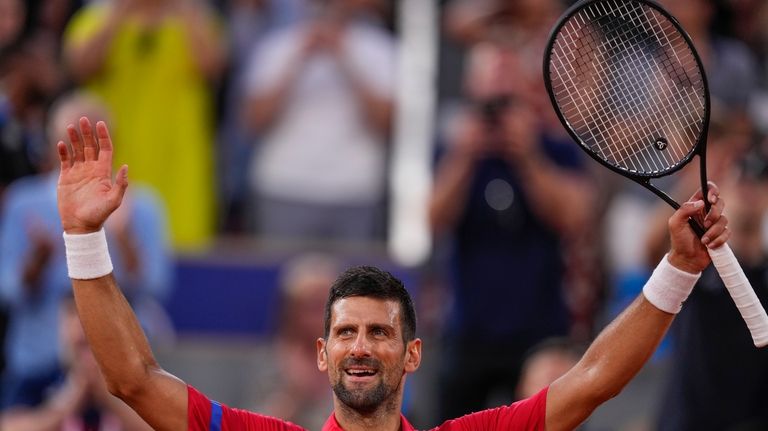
86, 193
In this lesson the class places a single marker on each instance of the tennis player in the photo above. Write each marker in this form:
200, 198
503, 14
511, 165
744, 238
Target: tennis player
369, 345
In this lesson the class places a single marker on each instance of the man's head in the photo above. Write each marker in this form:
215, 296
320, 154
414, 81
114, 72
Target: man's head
370, 340
374, 283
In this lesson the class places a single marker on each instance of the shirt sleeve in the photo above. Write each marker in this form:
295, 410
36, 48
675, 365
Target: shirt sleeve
525, 415
206, 415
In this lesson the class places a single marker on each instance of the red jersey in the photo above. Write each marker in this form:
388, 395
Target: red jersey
207, 415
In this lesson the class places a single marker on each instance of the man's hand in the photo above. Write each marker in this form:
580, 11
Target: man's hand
688, 252
86, 193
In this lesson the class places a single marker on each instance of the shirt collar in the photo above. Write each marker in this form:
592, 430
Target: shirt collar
332, 425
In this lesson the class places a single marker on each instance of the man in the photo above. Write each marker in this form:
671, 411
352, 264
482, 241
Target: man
502, 184
320, 96
369, 345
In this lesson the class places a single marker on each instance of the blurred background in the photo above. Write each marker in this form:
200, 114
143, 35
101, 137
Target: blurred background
272, 143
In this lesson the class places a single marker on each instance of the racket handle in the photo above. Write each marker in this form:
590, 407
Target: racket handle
741, 292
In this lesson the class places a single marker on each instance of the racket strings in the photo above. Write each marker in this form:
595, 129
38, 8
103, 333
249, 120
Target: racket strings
625, 91
627, 82
630, 43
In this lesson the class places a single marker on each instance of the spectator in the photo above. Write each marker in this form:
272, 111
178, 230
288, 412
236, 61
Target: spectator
732, 70
28, 82
302, 397
501, 191
248, 22
33, 275
713, 352
709, 336
79, 400
321, 97
153, 63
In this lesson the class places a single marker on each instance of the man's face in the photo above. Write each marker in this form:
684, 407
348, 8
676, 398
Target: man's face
365, 355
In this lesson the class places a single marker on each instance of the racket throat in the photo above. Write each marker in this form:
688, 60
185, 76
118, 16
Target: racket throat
697, 228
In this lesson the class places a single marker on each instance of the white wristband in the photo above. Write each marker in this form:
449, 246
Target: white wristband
669, 287
87, 255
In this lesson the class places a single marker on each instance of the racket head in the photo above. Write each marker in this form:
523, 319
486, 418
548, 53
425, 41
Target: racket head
628, 85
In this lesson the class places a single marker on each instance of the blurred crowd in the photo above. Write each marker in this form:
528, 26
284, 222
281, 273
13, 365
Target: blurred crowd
273, 120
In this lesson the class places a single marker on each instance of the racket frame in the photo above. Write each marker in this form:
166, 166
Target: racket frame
725, 262
644, 179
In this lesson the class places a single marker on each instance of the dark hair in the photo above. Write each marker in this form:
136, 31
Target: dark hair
373, 282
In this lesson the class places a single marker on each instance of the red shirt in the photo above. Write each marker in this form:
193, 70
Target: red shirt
207, 415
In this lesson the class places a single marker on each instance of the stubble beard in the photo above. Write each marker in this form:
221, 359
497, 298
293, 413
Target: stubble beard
366, 400
363, 400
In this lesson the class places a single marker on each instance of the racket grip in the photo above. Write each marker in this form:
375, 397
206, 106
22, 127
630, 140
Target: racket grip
741, 292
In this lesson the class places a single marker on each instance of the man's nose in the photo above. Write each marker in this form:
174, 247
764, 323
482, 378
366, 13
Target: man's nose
361, 346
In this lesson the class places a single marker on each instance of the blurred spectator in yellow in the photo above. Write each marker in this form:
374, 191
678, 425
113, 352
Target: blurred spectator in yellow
79, 399
153, 63
33, 273
321, 96
500, 193
302, 395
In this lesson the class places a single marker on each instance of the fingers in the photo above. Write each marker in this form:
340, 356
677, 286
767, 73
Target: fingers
715, 222
87, 146
713, 191
64, 156
715, 202
687, 210
105, 141
90, 148
718, 234
715, 211
121, 184
77, 144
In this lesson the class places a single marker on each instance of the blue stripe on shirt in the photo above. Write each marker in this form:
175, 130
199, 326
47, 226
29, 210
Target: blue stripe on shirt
215, 416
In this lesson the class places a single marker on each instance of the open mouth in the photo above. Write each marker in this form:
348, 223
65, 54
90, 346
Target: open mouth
361, 372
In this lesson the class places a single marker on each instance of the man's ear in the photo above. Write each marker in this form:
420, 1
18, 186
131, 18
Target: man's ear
413, 355
322, 356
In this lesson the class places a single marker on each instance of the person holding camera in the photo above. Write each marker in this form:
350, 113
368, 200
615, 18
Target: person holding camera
510, 196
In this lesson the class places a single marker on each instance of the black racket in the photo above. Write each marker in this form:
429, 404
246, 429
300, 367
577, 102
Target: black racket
628, 85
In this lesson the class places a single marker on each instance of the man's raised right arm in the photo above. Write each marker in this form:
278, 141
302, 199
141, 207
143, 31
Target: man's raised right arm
86, 197
623, 347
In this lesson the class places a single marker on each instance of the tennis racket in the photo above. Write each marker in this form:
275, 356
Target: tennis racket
628, 85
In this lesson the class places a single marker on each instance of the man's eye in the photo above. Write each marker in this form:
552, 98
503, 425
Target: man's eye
379, 332
346, 332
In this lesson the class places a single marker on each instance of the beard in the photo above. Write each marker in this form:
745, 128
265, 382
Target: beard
361, 399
